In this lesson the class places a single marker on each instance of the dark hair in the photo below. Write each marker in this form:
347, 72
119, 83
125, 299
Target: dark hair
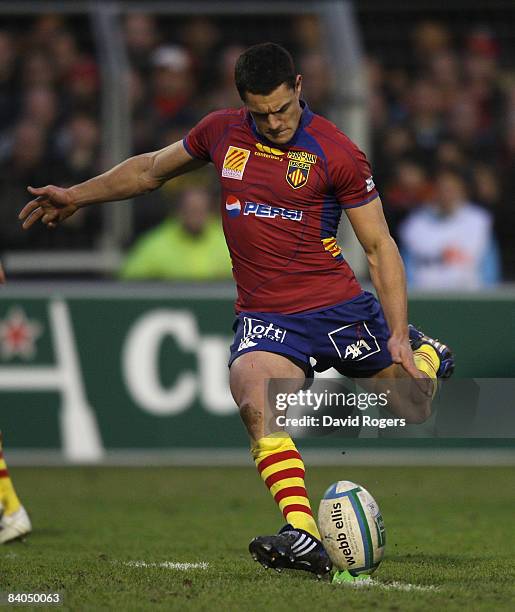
262, 68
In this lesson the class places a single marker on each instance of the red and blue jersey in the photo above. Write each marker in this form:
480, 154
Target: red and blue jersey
281, 206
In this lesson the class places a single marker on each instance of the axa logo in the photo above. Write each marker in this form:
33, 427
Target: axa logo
354, 341
353, 351
268, 152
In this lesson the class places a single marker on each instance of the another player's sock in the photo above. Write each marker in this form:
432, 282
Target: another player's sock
427, 361
282, 469
8, 498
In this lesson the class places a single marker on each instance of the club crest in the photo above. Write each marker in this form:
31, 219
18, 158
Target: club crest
297, 173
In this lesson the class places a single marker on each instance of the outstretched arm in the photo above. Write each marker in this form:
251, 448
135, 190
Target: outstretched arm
387, 273
134, 176
2, 275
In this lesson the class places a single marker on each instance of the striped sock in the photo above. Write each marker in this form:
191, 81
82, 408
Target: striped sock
8, 498
427, 361
282, 469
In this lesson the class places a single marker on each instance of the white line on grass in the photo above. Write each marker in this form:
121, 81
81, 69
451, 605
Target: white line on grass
391, 586
169, 565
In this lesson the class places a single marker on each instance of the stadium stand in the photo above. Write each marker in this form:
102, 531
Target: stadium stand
441, 90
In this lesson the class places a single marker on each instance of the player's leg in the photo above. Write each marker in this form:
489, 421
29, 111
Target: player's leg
279, 464
14, 521
409, 398
277, 459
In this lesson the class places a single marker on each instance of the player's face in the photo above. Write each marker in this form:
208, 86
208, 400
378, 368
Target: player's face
277, 114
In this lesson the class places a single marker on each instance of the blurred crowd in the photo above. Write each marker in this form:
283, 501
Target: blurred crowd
49, 124
448, 111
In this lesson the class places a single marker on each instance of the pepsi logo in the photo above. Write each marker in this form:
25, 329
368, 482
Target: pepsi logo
232, 206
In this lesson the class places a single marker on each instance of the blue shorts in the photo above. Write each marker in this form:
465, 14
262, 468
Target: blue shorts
350, 337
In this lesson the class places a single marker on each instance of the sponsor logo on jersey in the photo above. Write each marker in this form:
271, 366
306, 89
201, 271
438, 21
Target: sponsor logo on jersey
234, 162
256, 329
232, 206
331, 246
303, 156
297, 173
353, 351
364, 346
271, 212
370, 183
268, 152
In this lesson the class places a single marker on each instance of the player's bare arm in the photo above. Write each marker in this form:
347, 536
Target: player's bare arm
134, 176
2, 275
387, 274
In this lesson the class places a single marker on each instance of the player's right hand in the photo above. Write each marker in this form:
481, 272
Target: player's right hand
52, 205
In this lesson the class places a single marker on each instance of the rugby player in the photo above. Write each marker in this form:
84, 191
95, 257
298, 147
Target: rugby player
14, 520
286, 174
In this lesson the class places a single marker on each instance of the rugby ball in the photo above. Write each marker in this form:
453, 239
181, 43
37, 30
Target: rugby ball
352, 528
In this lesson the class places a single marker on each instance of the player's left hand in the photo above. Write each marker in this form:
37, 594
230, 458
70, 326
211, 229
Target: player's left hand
400, 350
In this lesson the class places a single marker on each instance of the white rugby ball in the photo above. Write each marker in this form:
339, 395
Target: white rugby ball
352, 528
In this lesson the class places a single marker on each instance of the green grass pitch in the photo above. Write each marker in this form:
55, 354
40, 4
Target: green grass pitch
449, 530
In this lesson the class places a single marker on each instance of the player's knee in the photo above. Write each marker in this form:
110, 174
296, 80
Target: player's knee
250, 411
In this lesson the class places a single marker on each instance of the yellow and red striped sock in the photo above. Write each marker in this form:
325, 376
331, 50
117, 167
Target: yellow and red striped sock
8, 498
427, 361
281, 467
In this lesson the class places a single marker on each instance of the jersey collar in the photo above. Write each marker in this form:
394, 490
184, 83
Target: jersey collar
305, 120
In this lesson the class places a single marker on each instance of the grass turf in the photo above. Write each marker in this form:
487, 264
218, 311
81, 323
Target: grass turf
448, 528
